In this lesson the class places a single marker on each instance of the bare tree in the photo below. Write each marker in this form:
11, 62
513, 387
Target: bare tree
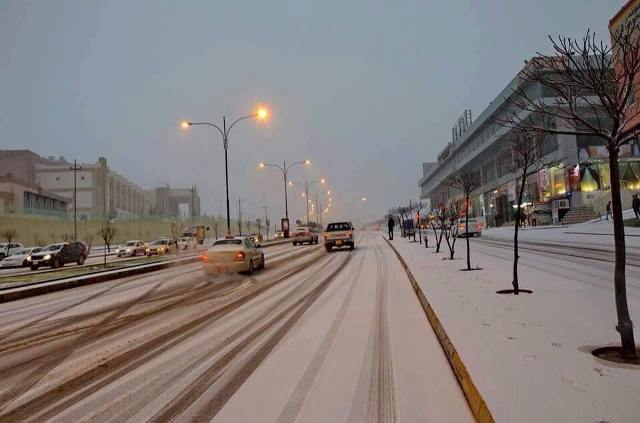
8, 234
418, 207
592, 85
438, 225
107, 232
523, 157
451, 228
466, 182
176, 230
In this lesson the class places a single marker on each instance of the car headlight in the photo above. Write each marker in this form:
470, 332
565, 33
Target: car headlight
147, 250
47, 257
161, 248
128, 250
29, 258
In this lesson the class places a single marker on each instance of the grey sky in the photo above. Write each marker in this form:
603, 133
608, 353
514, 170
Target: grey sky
367, 90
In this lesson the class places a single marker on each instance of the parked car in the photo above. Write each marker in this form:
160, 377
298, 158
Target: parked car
304, 235
187, 243
279, 235
233, 254
257, 238
160, 247
6, 249
19, 258
339, 234
476, 226
131, 248
57, 255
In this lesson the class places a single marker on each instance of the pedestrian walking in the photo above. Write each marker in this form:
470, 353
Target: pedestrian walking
635, 203
391, 223
609, 210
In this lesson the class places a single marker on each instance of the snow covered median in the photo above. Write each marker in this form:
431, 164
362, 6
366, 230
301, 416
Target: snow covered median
530, 355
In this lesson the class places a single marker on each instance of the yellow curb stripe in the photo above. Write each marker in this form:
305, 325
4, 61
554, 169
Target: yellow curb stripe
477, 404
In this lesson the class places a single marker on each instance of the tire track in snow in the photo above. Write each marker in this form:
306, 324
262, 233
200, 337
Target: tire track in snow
238, 376
374, 399
291, 410
118, 365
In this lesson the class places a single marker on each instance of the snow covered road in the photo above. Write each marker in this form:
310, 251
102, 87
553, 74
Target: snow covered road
316, 337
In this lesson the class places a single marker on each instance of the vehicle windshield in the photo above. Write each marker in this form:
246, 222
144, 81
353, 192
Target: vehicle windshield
129, 243
184, 239
21, 251
228, 242
338, 226
53, 247
159, 242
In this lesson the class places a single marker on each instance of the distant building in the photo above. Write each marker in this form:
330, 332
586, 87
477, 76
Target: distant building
101, 192
165, 201
18, 196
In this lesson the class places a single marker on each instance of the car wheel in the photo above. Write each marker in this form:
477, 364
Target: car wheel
81, 260
262, 263
250, 270
2, 256
135, 253
295, 243
55, 263
352, 247
328, 248
25, 263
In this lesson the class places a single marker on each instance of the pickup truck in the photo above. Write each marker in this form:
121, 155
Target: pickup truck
339, 234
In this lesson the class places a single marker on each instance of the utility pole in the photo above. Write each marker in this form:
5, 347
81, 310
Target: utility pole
318, 212
266, 220
239, 216
306, 197
193, 200
75, 169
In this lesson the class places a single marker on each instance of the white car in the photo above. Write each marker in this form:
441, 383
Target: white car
476, 226
19, 258
7, 249
132, 248
187, 243
233, 254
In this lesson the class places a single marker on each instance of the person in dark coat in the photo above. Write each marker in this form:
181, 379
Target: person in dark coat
635, 203
609, 210
391, 223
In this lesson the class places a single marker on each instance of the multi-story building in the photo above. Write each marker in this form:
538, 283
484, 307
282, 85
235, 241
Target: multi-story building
18, 196
579, 165
166, 201
628, 14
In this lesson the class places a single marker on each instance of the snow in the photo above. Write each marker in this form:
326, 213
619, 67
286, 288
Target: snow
530, 355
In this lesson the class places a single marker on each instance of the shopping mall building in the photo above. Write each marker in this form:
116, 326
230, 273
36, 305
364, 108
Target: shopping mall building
578, 174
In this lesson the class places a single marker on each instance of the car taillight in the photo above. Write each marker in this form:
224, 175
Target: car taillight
202, 258
326, 235
239, 256
350, 233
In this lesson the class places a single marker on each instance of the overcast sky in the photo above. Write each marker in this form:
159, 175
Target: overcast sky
367, 90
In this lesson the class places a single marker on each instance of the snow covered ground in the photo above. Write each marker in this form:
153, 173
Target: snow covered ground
530, 355
316, 337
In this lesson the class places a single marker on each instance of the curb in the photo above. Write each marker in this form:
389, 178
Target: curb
477, 404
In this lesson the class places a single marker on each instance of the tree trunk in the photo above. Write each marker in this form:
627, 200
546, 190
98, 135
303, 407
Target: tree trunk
466, 235
625, 326
515, 282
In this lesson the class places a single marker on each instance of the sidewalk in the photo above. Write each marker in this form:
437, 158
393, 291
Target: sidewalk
530, 355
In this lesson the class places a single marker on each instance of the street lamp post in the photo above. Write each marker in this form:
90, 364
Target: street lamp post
306, 186
285, 173
260, 114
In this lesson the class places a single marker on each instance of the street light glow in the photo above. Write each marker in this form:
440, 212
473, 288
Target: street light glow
262, 113
261, 164
185, 124
322, 181
307, 162
364, 198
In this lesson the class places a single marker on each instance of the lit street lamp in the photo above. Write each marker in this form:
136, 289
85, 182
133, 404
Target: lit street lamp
261, 114
306, 186
285, 173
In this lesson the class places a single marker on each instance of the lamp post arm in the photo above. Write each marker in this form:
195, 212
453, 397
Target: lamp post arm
275, 165
286, 170
238, 120
210, 124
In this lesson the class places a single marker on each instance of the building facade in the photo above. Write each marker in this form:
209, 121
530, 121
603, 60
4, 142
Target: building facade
18, 196
578, 174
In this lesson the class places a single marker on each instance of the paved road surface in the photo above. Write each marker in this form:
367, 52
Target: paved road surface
317, 337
